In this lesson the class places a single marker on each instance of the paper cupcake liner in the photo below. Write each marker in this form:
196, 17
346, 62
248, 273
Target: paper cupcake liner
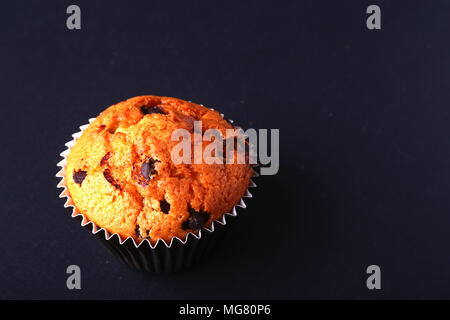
160, 257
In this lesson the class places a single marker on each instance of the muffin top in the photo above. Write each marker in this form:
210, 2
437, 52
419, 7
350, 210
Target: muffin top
121, 176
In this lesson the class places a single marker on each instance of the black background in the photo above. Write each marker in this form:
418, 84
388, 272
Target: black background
363, 116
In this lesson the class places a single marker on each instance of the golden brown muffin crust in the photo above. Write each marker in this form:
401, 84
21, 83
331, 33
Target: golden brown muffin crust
120, 173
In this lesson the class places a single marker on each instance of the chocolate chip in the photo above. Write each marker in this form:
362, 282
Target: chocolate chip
234, 140
228, 144
196, 219
145, 170
78, 176
110, 179
149, 110
105, 159
108, 176
137, 231
148, 168
139, 234
165, 206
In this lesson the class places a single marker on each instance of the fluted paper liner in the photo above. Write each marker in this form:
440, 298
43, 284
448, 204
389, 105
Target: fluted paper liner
161, 257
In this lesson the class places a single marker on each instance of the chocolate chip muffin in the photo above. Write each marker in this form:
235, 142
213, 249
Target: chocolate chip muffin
121, 176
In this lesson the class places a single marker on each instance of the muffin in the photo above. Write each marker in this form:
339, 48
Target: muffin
120, 175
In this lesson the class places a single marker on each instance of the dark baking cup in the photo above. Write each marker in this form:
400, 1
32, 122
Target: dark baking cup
164, 259
161, 257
